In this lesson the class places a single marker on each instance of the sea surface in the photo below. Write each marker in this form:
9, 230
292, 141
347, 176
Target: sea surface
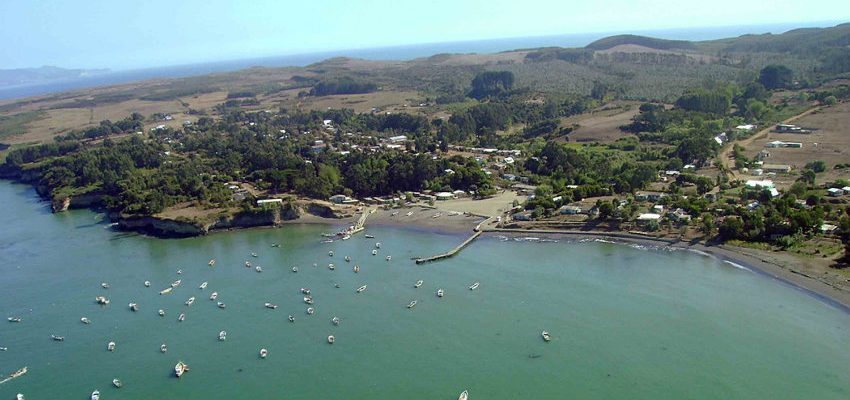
387, 53
627, 322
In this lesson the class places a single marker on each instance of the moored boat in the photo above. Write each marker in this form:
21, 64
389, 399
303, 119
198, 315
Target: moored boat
176, 283
331, 339
133, 306
203, 286
102, 300
356, 268
270, 305
247, 264
389, 258
221, 305
335, 320
14, 319
264, 353
110, 346
310, 311
258, 269
165, 291
347, 259
411, 304
546, 336
305, 291
222, 335
85, 320
254, 255
181, 317
378, 245
291, 318
211, 263
180, 368
147, 283
19, 396
375, 252
18, 373
418, 283
161, 312
58, 338
104, 285
117, 383
308, 299
163, 348
368, 236
463, 395
331, 266
294, 269
474, 286
331, 253
214, 295
190, 301
361, 289
95, 395
440, 292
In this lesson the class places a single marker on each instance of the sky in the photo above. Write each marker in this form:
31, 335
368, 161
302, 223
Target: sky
130, 34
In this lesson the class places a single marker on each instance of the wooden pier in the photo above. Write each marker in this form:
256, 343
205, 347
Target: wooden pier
360, 225
451, 252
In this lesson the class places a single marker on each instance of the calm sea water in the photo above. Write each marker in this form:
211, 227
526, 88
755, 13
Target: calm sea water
628, 323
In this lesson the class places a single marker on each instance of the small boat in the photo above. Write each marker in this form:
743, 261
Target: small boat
412, 304
117, 383
179, 272
165, 291
361, 289
368, 236
133, 306
327, 235
19, 396
190, 301
99, 299
331, 267
271, 306
346, 237
95, 395
378, 245
294, 269
18, 373
336, 285
275, 244
258, 269
474, 286
163, 348
374, 252
305, 291
356, 268
418, 283
331, 339
4, 349
546, 336
147, 283
110, 346
327, 241
222, 335
335, 320
180, 368
247, 264
310, 310
254, 255
203, 286
104, 285
176, 283
347, 259
211, 263
440, 292
409, 213
14, 319
264, 353
161, 312
221, 305
58, 338
214, 295
389, 258
291, 318
463, 395
308, 299
181, 317
331, 253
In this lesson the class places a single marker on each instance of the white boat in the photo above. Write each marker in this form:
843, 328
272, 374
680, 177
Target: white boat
163, 348
378, 245
211, 263
99, 299
310, 310
389, 258
165, 291
546, 336
247, 264
335, 320
418, 283
117, 383
203, 286
331, 253
463, 395
368, 236
180, 368
181, 317
147, 283
176, 283
347, 259
271, 306
308, 299
264, 353
361, 289
85, 320
95, 395
412, 304
327, 241
374, 252
275, 244
294, 269
474, 286
356, 268
214, 295
110, 346
58, 338
291, 318
15, 319
440, 292
222, 336
437, 215
161, 312
19, 396
346, 237
190, 301
331, 339
104, 285
258, 269
179, 272
4, 348
254, 255
305, 291
133, 306
331, 267
221, 305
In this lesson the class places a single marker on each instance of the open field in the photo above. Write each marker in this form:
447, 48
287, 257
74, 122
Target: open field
603, 124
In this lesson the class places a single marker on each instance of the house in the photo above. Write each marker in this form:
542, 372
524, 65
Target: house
510, 177
648, 217
781, 144
649, 196
679, 215
828, 228
444, 196
521, 216
459, 193
721, 138
509, 160
759, 184
835, 192
264, 202
658, 208
397, 139
338, 198
846, 189
570, 210
776, 168
747, 127
557, 199
786, 128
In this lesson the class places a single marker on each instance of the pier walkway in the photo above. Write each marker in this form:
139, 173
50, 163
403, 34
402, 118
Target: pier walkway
360, 225
451, 252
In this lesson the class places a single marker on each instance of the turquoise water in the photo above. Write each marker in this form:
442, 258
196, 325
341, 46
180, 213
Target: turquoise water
627, 323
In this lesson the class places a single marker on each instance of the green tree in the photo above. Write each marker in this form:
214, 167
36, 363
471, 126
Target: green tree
776, 77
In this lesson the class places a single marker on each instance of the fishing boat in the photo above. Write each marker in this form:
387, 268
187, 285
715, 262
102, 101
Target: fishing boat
176, 283
203, 286
117, 383
418, 283
258, 269
331, 267
104, 285
291, 318
110, 346
95, 395
305, 291
161, 312
181, 317
331, 253
133, 306
368, 236
211, 263
474, 286
389, 258
190, 301
58, 338
463, 395
546, 336
180, 368
222, 335
221, 305
271, 306
163, 348
331, 339
335, 320
310, 310
374, 252
440, 292
412, 304
147, 283
347, 259
264, 353
308, 299
294, 269
356, 268
165, 291
14, 319
361, 289
254, 255
85, 320
99, 299
247, 264
214, 295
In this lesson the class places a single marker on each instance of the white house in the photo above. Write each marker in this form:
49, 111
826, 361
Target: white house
263, 202
570, 210
397, 139
649, 217
835, 192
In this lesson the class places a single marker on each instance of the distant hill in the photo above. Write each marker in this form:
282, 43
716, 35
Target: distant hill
652, 43
800, 42
25, 76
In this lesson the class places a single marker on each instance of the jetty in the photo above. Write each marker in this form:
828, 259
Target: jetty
360, 225
451, 252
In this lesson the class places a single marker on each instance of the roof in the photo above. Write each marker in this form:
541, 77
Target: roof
648, 217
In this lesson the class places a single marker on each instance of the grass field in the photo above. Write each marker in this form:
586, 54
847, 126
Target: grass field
18, 124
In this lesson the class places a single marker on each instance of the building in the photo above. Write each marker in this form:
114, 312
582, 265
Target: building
649, 196
264, 202
648, 217
780, 144
776, 168
570, 210
679, 215
658, 208
759, 184
521, 216
338, 198
835, 192
397, 139
444, 196
786, 128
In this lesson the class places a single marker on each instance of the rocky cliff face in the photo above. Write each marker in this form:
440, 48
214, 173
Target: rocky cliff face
88, 200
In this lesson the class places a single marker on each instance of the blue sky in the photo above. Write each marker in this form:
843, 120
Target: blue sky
128, 34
